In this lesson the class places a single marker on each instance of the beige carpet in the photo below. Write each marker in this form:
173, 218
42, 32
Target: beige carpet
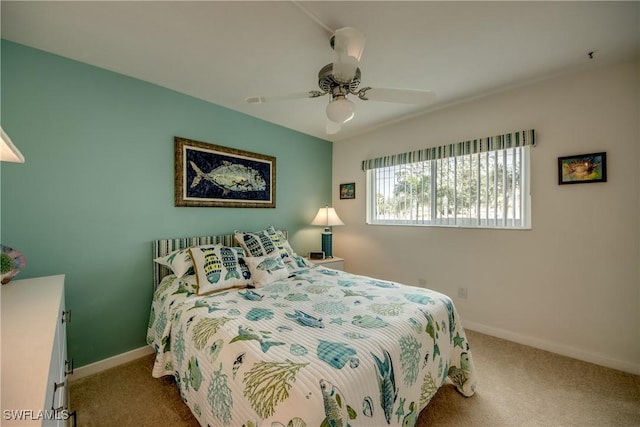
517, 386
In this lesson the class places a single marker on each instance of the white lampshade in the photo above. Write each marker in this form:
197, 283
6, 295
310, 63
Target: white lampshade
327, 217
341, 110
8, 151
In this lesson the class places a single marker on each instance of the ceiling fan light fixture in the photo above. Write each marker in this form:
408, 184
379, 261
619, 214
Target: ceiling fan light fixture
341, 109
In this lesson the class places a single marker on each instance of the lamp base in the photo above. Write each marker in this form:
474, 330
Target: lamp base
326, 244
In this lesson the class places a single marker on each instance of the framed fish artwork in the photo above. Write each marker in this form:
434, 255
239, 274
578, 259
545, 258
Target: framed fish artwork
216, 176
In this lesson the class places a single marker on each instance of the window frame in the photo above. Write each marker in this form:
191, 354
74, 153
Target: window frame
504, 223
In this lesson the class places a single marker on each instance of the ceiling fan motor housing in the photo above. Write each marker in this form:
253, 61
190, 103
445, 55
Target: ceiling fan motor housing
328, 83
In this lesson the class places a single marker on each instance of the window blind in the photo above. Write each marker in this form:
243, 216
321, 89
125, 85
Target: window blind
493, 143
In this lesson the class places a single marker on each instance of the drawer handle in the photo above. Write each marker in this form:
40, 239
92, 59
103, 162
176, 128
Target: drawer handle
66, 316
56, 387
69, 367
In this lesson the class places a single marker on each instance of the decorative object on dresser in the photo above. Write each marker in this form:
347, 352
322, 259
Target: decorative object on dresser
348, 191
582, 168
35, 366
327, 217
212, 175
11, 263
11, 260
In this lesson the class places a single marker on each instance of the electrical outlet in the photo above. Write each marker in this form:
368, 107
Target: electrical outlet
462, 293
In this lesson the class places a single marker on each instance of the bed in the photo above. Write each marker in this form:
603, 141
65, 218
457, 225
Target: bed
260, 337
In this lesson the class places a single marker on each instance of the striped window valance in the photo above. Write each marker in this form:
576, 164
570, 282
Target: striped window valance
493, 143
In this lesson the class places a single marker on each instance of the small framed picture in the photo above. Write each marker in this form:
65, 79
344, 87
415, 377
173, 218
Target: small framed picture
582, 168
348, 191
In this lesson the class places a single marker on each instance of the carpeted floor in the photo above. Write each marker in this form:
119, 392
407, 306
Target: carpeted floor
517, 386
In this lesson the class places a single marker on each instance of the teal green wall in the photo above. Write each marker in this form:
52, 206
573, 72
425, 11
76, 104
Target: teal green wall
97, 185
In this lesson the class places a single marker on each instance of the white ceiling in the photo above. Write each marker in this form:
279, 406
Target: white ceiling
226, 51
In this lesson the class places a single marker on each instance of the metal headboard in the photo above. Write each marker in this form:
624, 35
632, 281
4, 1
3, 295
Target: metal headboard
166, 246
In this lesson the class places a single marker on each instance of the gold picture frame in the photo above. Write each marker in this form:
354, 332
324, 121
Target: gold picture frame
209, 175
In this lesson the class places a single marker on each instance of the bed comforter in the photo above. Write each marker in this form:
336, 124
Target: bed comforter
321, 348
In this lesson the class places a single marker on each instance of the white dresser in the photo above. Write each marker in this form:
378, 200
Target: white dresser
34, 353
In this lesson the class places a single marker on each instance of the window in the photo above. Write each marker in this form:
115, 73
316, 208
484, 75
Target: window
474, 184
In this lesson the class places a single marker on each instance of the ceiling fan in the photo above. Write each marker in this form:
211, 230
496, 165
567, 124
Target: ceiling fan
342, 78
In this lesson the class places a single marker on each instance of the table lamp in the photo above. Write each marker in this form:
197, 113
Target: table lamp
327, 217
8, 151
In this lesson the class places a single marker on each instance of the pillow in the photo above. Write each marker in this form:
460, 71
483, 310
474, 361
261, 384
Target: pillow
294, 262
285, 243
178, 261
219, 267
263, 242
298, 263
266, 269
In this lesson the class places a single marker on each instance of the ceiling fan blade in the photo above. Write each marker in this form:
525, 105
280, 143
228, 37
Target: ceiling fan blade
297, 95
348, 44
401, 96
333, 127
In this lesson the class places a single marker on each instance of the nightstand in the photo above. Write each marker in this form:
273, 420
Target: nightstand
336, 262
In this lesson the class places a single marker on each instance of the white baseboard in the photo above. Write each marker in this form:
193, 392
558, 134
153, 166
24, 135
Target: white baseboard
103, 365
553, 347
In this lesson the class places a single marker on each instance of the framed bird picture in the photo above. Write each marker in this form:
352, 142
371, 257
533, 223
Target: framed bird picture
213, 175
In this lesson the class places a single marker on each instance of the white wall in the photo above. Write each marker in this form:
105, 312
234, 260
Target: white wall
571, 284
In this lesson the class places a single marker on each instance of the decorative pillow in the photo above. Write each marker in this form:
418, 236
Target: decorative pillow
178, 261
294, 262
298, 263
266, 269
263, 242
219, 267
170, 283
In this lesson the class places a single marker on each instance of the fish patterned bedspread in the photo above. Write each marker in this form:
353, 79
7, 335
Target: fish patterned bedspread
321, 348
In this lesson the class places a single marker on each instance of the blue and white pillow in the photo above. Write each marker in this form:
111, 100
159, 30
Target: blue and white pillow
266, 269
294, 262
268, 241
179, 262
263, 242
220, 267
